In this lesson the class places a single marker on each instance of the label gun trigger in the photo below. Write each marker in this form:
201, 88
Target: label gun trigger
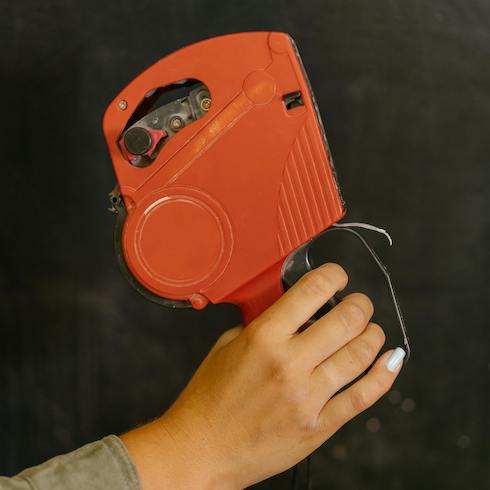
299, 262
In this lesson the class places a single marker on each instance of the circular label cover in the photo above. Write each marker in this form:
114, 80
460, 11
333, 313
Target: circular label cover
178, 241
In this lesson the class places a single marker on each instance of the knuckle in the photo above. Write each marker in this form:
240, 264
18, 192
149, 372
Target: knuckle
337, 271
307, 425
317, 282
361, 353
299, 413
383, 384
378, 332
329, 379
361, 399
351, 315
282, 372
364, 301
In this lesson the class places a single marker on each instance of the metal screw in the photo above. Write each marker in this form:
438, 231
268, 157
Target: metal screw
205, 104
176, 123
122, 104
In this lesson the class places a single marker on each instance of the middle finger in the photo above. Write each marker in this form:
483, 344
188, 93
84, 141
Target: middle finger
335, 329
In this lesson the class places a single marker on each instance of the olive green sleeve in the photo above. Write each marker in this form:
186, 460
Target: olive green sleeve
103, 464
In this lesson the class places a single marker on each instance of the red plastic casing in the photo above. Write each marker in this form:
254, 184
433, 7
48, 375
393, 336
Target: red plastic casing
230, 196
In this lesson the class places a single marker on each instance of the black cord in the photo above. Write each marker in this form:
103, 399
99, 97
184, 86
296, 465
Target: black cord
302, 479
294, 484
308, 472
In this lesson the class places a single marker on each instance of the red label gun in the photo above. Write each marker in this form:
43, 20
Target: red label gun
224, 173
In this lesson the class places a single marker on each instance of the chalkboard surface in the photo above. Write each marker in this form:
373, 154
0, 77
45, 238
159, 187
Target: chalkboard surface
404, 90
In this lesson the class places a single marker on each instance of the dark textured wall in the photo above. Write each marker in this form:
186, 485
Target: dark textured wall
404, 89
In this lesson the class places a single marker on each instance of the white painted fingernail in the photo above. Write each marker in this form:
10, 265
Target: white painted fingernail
396, 359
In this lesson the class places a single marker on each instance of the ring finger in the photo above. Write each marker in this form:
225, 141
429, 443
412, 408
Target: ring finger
348, 363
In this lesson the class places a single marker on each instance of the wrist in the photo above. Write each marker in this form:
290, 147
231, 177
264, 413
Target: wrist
168, 456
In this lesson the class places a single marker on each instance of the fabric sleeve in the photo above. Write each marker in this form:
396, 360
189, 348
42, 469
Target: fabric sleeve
103, 464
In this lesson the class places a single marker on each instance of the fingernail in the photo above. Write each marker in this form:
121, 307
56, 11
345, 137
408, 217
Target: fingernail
395, 360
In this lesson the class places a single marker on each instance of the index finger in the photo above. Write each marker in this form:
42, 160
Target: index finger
299, 303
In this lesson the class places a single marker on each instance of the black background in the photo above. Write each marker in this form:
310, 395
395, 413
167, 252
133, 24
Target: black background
404, 89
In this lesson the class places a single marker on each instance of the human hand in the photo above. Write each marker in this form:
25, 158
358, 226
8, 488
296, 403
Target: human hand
268, 395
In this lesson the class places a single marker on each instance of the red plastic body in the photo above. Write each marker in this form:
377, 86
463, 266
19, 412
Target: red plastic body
230, 196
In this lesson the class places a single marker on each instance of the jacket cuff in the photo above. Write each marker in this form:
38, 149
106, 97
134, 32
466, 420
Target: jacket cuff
103, 464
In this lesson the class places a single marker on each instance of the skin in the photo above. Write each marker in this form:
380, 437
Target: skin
267, 395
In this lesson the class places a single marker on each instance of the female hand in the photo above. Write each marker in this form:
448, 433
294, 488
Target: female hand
268, 395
